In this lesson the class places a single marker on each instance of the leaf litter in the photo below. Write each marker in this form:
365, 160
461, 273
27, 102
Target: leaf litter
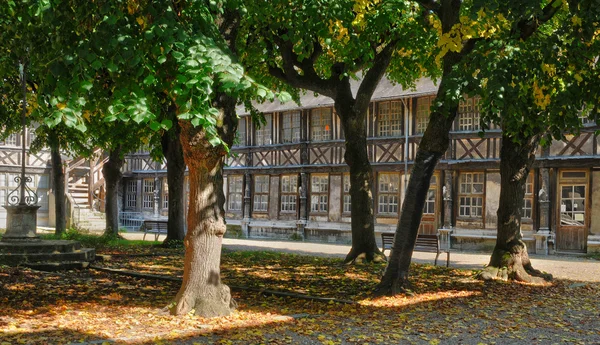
446, 306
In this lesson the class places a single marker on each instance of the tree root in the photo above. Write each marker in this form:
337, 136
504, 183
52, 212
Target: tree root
514, 265
391, 288
354, 258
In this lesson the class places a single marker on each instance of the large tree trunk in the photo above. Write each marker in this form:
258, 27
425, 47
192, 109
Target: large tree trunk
173, 152
112, 177
58, 181
202, 289
364, 245
433, 145
510, 259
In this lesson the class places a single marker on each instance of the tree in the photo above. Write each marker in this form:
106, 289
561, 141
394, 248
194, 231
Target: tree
462, 26
537, 89
322, 48
121, 62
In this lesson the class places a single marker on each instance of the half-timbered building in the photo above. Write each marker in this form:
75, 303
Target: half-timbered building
287, 179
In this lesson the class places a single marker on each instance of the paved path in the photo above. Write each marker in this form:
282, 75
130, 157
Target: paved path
560, 266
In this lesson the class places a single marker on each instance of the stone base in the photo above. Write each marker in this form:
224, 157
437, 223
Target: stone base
55, 254
21, 222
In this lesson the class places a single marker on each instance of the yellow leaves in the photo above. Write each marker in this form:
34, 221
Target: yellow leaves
578, 77
339, 31
550, 69
61, 106
362, 7
576, 20
541, 99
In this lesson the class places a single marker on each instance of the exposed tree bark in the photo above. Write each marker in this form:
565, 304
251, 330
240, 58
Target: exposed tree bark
112, 177
352, 112
58, 182
171, 146
202, 289
510, 259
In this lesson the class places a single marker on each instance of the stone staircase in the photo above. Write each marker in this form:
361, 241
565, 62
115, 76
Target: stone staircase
46, 255
85, 207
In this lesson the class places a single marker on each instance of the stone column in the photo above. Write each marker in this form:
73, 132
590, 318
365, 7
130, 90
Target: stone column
247, 206
447, 192
544, 233
302, 219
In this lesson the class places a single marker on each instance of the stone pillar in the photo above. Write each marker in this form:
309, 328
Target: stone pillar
21, 222
247, 206
302, 219
447, 192
544, 233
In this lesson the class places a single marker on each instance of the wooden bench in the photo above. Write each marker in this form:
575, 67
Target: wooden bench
425, 243
156, 227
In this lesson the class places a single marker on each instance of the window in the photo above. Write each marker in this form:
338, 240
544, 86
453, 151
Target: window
263, 134
289, 188
389, 187
471, 195
423, 113
320, 124
390, 119
319, 193
429, 207
235, 190
587, 117
290, 127
528, 200
573, 194
131, 194
12, 140
148, 201
468, 114
261, 193
240, 136
165, 195
347, 207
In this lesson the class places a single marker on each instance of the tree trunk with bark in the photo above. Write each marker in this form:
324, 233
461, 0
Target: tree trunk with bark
364, 246
171, 146
58, 181
112, 177
202, 289
510, 259
433, 145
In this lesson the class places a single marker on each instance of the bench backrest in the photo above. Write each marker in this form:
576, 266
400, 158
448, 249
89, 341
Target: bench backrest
423, 241
155, 225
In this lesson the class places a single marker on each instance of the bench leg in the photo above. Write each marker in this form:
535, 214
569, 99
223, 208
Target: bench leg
436, 257
448, 260
144, 238
156, 236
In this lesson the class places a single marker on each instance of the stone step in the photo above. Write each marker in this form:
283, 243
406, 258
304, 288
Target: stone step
38, 247
84, 254
57, 266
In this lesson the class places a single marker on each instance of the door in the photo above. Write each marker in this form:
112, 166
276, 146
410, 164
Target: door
571, 235
429, 221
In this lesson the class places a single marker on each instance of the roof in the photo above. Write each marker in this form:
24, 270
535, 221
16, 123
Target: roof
385, 90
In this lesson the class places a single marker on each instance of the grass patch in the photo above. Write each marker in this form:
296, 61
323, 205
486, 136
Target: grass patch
101, 243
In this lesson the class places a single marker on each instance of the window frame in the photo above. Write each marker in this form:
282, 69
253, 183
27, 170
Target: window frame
469, 114
148, 196
240, 135
393, 121
295, 122
165, 194
261, 193
286, 194
264, 135
528, 197
233, 182
423, 113
319, 191
325, 116
391, 195
574, 181
346, 198
465, 194
131, 194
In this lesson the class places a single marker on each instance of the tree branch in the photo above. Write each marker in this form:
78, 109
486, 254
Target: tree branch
528, 27
374, 74
430, 5
309, 79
